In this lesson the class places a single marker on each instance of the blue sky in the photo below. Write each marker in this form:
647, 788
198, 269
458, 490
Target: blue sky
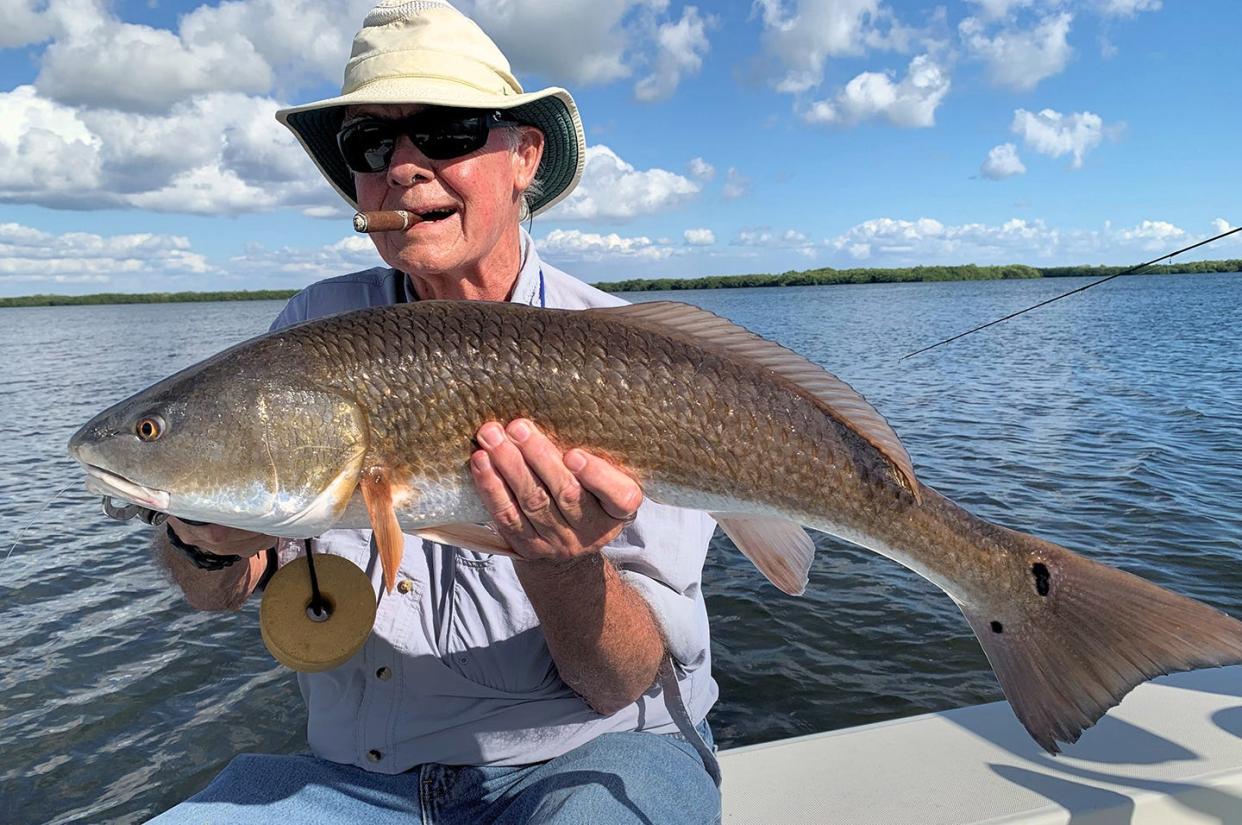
138, 150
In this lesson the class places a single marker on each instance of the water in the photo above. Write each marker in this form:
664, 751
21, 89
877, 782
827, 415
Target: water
1108, 422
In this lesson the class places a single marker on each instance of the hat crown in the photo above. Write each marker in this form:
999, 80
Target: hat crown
404, 38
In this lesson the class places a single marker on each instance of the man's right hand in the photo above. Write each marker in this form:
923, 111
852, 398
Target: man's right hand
221, 540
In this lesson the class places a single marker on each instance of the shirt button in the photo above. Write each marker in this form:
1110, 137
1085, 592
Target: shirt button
383, 674
405, 586
374, 756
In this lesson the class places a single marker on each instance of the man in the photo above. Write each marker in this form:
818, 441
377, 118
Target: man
490, 689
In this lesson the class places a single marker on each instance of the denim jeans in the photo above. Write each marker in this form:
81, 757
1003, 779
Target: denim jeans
616, 778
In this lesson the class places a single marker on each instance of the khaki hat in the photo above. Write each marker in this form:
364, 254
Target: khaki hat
426, 51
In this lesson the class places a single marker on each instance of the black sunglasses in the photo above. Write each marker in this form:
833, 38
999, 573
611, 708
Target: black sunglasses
440, 134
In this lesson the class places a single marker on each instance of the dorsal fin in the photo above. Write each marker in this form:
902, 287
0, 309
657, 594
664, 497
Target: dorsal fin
837, 398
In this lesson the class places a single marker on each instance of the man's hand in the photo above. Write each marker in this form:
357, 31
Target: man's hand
548, 505
221, 540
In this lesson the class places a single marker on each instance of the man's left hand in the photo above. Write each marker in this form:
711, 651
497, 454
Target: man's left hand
547, 504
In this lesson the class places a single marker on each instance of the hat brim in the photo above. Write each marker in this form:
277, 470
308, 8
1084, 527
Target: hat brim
550, 110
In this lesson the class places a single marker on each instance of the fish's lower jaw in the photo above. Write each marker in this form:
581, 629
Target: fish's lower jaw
102, 482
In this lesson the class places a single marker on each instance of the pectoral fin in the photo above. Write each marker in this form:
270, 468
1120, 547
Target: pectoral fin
780, 548
470, 536
377, 495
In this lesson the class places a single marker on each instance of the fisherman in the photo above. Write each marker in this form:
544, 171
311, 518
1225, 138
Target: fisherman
491, 689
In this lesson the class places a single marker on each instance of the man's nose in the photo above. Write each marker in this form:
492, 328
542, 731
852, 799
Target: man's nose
408, 164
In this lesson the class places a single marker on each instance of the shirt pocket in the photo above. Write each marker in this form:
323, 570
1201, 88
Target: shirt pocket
495, 638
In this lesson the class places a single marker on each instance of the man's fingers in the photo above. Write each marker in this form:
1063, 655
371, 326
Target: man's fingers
618, 494
496, 496
552, 476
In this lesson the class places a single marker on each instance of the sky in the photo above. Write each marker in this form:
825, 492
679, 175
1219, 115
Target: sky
139, 153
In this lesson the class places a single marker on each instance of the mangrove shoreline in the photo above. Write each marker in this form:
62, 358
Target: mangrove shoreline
825, 276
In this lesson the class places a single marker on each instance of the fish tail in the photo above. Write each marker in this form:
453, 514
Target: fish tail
1084, 634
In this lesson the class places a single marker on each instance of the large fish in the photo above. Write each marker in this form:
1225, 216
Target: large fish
366, 419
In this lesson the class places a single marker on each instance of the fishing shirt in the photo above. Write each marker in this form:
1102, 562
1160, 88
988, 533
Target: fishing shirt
457, 669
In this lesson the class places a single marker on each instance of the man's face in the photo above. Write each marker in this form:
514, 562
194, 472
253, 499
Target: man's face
481, 192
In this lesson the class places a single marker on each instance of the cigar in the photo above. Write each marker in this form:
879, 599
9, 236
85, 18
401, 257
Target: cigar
397, 220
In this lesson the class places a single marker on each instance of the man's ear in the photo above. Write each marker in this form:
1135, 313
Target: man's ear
527, 156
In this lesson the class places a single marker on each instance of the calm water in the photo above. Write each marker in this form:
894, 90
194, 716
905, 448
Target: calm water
1109, 422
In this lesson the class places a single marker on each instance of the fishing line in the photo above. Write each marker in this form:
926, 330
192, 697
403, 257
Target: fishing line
1129, 271
32, 521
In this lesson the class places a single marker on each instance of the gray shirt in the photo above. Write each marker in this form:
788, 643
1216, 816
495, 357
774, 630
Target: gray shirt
457, 670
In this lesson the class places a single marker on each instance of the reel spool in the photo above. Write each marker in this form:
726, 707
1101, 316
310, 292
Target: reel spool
316, 615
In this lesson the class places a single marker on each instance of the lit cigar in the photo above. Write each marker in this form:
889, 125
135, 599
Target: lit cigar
397, 220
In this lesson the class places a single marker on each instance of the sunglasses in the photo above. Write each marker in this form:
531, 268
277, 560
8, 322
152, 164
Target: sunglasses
440, 134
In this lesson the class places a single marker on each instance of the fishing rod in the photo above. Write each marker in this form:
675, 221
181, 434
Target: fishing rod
1129, 271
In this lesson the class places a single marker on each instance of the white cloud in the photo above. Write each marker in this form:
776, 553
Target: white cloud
251, 46
804, 34
1220, 225
997, 9
1002, 162
573, 244
680, 48
1020, 58
767, 238
26, 22
612, 188
1051, 133
29, 255
701, 169
1126, 8
736, 185
298, 265
700, 237
897, 242
215, 153
911, 102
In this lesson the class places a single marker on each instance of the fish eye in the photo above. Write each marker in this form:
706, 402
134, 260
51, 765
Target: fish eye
149, 428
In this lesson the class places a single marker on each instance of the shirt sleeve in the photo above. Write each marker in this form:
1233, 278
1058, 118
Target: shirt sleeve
293, 313
661, 556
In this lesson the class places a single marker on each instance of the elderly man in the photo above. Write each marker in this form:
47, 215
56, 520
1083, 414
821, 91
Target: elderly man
491, 689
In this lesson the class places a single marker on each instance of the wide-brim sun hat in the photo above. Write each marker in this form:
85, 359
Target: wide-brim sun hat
428, 52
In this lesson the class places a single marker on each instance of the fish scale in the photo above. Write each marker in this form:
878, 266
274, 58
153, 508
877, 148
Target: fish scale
369, 419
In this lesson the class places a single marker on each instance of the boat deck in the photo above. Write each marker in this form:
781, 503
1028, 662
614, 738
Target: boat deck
1170, 753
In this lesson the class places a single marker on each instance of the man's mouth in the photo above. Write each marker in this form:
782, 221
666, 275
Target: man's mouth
432, 215
105, 483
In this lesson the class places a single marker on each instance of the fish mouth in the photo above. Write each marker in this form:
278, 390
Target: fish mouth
105, 483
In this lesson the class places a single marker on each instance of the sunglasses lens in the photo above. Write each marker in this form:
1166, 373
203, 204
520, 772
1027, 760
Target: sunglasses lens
368, 146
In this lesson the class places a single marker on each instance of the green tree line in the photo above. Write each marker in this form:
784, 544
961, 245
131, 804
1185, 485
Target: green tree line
809, 277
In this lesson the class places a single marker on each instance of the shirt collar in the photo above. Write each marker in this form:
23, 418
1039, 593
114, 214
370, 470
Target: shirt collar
525, 291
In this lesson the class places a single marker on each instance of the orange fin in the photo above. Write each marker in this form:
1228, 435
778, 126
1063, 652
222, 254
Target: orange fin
780, 548
833, 396
377, 495
469, 536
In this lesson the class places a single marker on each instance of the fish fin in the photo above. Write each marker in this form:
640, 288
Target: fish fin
478, 537
377, 495
1088, 635
780, 548
834, 396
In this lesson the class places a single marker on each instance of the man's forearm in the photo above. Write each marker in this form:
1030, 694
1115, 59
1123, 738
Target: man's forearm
225, 589
600, 631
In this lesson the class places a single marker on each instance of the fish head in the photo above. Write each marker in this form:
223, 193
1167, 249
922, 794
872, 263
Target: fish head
223, 443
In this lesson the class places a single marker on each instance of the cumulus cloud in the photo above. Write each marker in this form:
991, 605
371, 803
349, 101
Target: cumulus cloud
1019, 58
216, 153
1126, 8
699, 237
765, 237
894, 241
297, 266
701, 169
29, 255
612, 188
1051, 133
573, 244
911, 102
736, 185
802, 35
680, 47
1002, 162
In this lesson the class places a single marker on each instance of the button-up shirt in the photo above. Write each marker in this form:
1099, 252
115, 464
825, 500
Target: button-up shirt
456, 670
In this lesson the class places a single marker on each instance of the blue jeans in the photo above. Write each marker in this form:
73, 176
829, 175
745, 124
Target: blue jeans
616, 778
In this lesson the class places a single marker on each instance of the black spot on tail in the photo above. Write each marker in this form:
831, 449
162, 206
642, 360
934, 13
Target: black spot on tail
997, 627
1043, 578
